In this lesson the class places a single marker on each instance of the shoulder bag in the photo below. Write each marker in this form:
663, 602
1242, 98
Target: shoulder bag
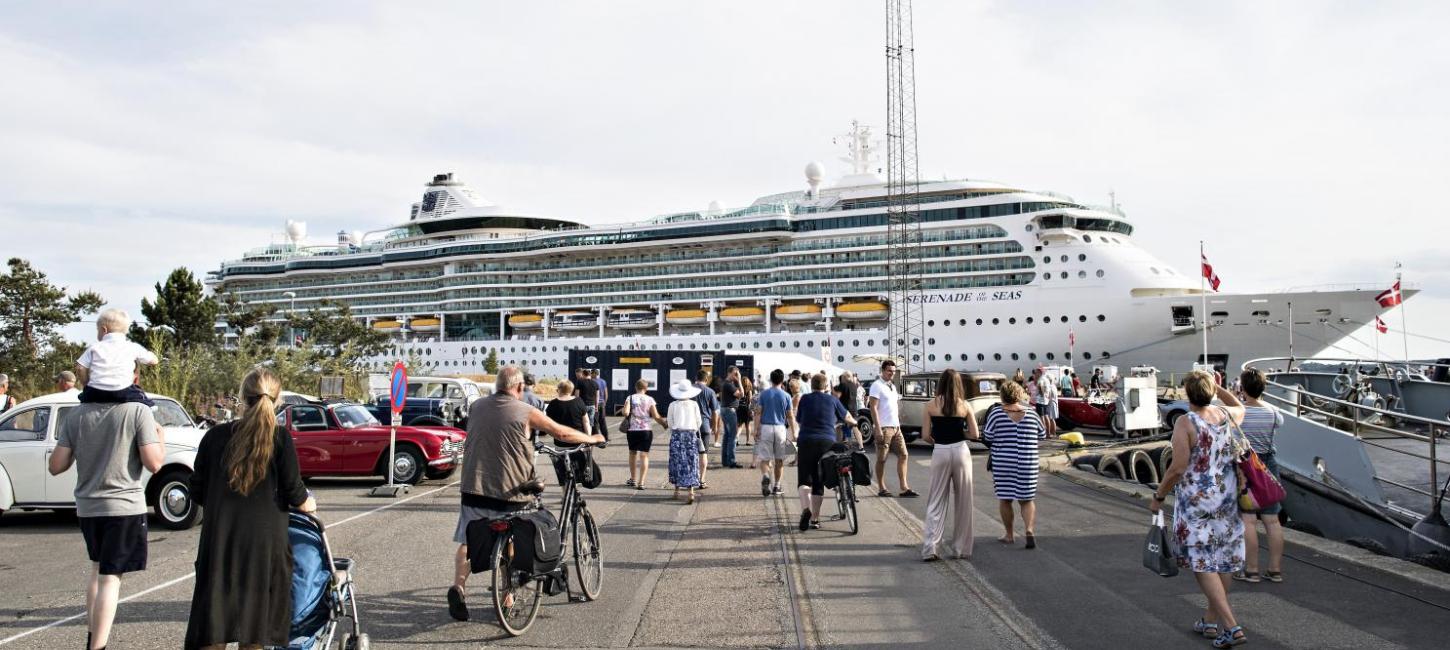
1258, 489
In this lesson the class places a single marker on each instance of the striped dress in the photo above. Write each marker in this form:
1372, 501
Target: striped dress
1014, 454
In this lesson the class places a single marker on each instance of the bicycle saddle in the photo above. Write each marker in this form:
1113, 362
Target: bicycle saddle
532, 488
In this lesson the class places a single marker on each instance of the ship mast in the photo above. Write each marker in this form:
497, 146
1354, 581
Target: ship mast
903, 213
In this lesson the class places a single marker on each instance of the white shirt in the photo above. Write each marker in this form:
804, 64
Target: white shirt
1044, 389
886, 398
684, 414
112, 362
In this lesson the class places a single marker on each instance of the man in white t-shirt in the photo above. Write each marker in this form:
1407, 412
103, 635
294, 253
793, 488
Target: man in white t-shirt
884, 402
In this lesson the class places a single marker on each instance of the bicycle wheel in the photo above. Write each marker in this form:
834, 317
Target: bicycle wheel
588, 554
510, 584
848, 503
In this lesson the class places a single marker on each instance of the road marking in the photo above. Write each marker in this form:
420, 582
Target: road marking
794, 584
624, 635
175, 581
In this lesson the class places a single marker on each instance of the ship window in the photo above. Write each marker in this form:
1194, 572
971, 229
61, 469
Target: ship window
1087, 238
931, 341
856, 343
916, 341
1064, 319
1064, 258
963, 322
931, 323
796, 344
931, 357
1219, 314
1087, 355
840, 358
1154, 269
1012, 320
1032, 356
995, 321
1064, 275
979, 321
948, 357
1014, 356
692, 346
1082, 318
1082, 257
1029, 320
1049, 356
1081, 274
1046, 276
1029, 227
841, 342
996, 356
1047, 259
810, 344
1100, 273
1101, 318
757, 345
1261, 314
981, 357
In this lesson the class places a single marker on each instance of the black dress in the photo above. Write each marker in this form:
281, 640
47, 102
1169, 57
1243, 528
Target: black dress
244, 564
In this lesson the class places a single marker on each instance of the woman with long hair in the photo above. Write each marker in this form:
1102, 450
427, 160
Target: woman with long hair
246, 478
1206, 520
947, 428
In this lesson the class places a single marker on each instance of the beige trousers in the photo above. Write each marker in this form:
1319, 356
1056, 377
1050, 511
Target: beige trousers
951, 480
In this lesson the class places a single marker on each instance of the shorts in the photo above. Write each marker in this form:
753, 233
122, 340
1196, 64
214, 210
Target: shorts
470, 514
1041, 410
640, 440
118, 544
773, 443
808, 465
1273, 465
890, 440
132, 393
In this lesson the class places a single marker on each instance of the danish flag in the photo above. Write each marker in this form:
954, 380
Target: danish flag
1208, 273
1390, 297
1071, 338
1380, 325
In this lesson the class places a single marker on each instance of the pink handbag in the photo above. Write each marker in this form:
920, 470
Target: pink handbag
1258, 489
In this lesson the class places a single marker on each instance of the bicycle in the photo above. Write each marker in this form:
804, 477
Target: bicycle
846, 488
518, 593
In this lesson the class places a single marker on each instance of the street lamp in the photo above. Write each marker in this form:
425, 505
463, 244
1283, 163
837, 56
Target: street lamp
291, 315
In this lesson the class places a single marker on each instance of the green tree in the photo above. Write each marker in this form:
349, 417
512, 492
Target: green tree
32, 313
336, 335
249, 321
181, 304
490, 363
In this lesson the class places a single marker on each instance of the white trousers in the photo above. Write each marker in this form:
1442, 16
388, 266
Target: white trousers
951, 479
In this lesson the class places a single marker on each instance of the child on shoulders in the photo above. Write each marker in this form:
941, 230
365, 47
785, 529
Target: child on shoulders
109, 367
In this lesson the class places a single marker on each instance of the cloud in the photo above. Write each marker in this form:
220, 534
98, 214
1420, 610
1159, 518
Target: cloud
1301, 140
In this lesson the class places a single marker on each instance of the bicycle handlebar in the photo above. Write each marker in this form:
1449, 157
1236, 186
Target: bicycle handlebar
555, 452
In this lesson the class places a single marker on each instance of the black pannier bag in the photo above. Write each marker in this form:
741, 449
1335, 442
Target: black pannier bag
586, 471
860, 468
538, 545
480, 545
830, 469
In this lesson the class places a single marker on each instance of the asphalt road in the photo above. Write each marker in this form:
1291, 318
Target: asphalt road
732, 571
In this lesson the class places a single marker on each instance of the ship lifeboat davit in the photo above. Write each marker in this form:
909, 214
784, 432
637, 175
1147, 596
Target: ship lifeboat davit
631, 318
685, 317
424, 324
573, 321
526, 321
798, 313
742, 315
387, 326
862, 311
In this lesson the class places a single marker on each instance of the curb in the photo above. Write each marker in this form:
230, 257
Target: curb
1059, 465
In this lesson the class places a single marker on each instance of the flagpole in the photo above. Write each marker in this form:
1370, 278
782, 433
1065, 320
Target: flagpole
1203, 296
1404, 329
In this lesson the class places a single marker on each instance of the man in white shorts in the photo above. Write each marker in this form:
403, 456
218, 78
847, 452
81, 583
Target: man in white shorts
775, 422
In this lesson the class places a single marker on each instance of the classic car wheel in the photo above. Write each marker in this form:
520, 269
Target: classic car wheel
408, 465
1172, 419
173, 502
868, 429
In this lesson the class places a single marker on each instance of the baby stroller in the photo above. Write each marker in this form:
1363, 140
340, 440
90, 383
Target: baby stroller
322, 590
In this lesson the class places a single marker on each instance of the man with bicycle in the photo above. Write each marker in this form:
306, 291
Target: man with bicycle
498, 460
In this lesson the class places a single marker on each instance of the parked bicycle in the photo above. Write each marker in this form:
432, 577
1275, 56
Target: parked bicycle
846, 501
518, 591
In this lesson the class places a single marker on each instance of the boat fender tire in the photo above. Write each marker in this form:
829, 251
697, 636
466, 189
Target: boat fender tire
1110, 467
1142, 468
1165, 460
1156, 453
1088, 462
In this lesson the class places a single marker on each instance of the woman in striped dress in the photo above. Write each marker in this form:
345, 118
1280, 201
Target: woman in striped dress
1012, 433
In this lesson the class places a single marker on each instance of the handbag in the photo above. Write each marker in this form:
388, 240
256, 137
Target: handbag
628, 413
1258, 489
1159, 556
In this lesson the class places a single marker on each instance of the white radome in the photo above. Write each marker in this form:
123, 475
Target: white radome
355, 238
815, 171
296, 230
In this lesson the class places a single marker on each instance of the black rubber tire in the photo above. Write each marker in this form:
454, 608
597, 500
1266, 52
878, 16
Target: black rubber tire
414, 459
848, 493
362, 642
1144, 470
1087, 462
173, 487
1172, 419
588, 555
1115, 428
531, 591
868, 429
1110, 467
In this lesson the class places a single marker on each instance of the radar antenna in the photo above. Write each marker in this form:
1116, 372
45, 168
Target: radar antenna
903, 211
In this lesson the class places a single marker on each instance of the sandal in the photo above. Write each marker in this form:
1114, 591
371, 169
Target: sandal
1274, 576
1246, 576
639, 487
1208, 630
1231, 637
909, 493
883, 493
629, 482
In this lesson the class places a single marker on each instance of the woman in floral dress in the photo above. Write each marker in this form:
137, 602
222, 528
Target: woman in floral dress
1207, 525
684, 423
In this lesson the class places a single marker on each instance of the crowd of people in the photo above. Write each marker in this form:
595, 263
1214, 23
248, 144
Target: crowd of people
246, 472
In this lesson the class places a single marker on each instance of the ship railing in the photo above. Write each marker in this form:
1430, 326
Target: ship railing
1361, 421
1343, 286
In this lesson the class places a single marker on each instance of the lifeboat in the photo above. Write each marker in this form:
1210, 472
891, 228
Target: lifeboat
862, 311
388, 326
742, 315
685, 317
574, 321
424, 324
631, 319
798, 313
526, 321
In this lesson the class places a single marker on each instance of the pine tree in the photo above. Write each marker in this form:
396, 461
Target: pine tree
490, 363
32, 313
182, 305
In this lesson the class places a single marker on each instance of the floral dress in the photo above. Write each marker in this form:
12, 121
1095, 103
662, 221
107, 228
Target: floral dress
1207, 525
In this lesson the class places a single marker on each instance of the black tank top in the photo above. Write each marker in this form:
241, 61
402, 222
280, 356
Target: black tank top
947, 430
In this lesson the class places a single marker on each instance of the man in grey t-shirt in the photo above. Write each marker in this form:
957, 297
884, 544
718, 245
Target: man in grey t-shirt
109, 444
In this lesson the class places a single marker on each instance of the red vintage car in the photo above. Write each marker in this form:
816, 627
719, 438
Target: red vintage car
346, 440
1093, 411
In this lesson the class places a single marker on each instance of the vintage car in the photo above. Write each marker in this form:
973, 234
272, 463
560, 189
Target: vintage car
28, 435
344, 439
1094, 411
982, 390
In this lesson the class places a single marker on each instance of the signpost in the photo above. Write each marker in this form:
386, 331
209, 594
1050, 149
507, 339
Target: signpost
397, 397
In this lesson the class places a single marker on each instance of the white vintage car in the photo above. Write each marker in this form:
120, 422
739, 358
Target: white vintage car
27, 437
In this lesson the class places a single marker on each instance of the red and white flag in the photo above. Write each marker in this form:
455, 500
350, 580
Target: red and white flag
1208, 273
1380, 325
1390, 297
1071, 338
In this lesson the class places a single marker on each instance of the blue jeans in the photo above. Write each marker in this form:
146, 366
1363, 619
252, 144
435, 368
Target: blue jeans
731, 425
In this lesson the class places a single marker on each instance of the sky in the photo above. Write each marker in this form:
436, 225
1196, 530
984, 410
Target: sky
1304, 142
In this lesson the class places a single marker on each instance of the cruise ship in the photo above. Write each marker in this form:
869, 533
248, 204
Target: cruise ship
1013, 278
